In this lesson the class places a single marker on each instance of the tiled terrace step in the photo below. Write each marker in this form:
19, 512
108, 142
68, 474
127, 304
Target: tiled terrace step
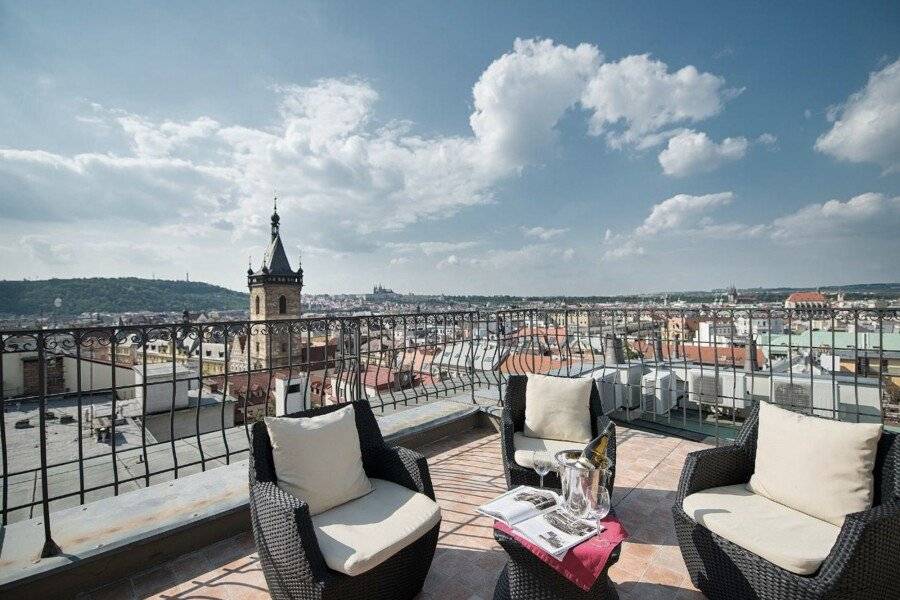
114, 537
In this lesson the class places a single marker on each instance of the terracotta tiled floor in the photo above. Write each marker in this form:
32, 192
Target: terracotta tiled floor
466, 471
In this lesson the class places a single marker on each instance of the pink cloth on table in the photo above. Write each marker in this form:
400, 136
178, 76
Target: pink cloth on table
584, 563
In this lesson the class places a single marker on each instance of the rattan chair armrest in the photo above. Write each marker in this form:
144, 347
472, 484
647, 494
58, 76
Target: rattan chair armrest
714, 467
404, 467
284, 531
507, 430
866, 550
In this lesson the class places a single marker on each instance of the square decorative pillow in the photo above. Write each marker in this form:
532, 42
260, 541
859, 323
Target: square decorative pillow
318, 458
558, 408
821, 467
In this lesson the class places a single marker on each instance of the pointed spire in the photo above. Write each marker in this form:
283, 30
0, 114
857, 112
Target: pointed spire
275, 218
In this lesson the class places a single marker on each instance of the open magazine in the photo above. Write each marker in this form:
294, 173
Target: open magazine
536, 514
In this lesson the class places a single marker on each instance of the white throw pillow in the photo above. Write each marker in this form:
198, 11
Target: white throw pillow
821, 467
558, 408
318, 458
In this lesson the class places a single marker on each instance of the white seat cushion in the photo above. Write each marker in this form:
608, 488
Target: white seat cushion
818, 466
786, 537
363, 533
558, 408
525, 446
318, 458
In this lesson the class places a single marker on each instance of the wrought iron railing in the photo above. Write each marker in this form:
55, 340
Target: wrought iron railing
93, 412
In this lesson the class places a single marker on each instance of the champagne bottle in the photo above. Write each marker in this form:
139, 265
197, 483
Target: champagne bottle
594, 454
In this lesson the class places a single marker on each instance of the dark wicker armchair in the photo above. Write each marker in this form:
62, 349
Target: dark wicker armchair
513, 420
288, 549
862, 563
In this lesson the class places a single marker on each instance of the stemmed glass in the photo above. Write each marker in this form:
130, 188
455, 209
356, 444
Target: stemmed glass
604, 504
541, 463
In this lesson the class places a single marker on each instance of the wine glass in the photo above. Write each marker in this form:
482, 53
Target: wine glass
603, 504
541, 464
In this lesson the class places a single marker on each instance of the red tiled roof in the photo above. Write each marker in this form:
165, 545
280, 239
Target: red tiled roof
806, 297
544, 333
378, 378
524, 362
722, 354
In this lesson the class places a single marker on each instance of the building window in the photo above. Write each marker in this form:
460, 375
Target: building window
257, 347
257, 305
284, 347
282, 305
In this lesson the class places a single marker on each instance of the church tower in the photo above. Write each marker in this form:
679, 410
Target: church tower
274, 295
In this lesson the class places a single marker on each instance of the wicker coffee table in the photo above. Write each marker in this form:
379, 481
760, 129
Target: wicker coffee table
527, 577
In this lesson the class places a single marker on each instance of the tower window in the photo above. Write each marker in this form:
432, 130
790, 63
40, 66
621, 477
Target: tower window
282, 305
257, 305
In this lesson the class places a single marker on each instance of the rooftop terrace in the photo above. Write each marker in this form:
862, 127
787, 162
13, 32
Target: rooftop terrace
466, 471
86, 500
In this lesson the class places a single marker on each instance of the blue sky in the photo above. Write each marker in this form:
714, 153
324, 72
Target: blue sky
529, 148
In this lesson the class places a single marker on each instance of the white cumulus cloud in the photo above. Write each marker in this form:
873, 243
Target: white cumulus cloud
619, 246
681, 210
522, 95
544, 233
865, 214
431, 247
692, 152
641, 94
867, 126
340, 171
342, 175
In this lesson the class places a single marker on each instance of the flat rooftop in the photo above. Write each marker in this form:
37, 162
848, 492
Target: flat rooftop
64, 477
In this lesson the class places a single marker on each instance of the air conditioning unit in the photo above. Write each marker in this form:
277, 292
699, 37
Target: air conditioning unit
733, 390
860, 401
797, 393
839, 398
703, 387
662, 390
610, 396
619, 386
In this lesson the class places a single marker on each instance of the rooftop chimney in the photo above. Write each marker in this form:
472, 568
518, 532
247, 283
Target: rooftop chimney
613, 351
750, 363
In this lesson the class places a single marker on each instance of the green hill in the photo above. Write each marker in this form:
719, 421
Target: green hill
121, 294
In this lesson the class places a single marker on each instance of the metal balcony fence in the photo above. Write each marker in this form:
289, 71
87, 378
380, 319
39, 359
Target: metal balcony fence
97, 411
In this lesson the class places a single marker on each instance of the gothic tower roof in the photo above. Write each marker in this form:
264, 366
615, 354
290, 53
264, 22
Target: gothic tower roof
276, 267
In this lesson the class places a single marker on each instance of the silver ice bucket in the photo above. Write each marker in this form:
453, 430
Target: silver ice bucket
580, 483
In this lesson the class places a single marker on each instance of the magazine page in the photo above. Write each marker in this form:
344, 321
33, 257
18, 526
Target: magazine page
519, 504
556, 531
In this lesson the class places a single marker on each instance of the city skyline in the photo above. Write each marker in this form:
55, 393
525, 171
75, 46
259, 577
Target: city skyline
469, 150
